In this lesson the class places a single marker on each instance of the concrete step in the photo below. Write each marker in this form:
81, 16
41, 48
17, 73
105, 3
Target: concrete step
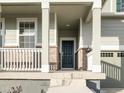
75, 86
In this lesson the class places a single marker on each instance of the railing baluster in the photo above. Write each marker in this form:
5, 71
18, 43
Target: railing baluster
7, 59
2, 62
38, 59
35, 59
10, 56
26, 60
29, 59
4, 59
32, 59
17, 59
20, 54
14, 59
23, 56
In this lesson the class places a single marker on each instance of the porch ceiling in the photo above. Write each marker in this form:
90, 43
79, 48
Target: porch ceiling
21, 9
70, 15
67, 14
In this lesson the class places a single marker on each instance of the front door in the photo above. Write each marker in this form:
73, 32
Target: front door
67, 54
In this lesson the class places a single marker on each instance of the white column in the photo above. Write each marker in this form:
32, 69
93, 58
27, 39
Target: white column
56, 30
80, 34
0, 17
45, 36
0, 10
96, 35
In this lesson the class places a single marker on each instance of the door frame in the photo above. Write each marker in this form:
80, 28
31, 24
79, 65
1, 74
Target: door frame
67, 39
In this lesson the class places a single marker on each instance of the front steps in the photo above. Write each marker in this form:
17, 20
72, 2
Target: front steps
59, 81
68, 86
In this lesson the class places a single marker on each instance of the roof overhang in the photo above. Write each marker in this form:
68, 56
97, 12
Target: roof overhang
89, 14
51, 1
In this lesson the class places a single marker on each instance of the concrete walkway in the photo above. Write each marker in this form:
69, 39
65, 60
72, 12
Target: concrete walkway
75, 86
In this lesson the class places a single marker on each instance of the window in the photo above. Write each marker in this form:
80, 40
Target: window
120, 5
27, 33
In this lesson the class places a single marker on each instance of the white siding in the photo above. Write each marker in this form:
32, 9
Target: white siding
109, 6
87, 34
11, 29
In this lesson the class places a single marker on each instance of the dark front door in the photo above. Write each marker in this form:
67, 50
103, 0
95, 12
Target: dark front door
68, 54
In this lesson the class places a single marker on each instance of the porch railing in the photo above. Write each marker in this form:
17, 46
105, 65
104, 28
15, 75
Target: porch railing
20, 59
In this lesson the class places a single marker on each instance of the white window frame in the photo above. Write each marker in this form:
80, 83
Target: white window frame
26, 20
3, 30
67, 39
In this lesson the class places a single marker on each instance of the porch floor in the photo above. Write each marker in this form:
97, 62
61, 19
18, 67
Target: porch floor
53, 75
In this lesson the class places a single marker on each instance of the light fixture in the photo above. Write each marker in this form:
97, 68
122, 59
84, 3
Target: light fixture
68, 25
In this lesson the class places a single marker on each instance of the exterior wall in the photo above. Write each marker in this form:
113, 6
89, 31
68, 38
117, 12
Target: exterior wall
68, 33
109, 6
11, 28
112, 34
24, 86
113, 41
86, 35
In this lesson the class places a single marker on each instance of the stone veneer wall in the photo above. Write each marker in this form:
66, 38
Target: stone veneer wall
54, 58
82, 59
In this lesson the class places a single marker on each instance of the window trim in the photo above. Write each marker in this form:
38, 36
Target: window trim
27, 20
3, 31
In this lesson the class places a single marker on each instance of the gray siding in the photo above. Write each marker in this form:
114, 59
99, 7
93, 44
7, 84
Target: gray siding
112, 32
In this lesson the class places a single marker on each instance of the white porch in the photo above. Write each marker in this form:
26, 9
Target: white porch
37, 59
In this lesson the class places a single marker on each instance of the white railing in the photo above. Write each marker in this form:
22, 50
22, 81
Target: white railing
20, 59
89, 61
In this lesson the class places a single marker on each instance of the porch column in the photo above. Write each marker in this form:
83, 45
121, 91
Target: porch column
96, 35
45, 35
0, 17
0, 10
